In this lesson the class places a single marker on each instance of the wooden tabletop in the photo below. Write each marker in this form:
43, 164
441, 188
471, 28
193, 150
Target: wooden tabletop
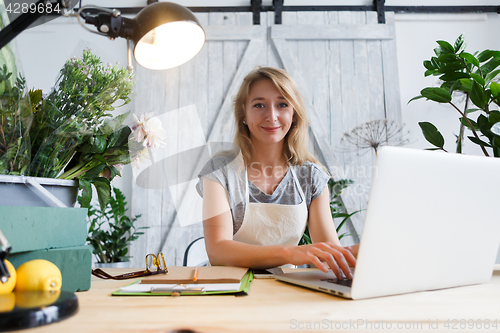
273, 306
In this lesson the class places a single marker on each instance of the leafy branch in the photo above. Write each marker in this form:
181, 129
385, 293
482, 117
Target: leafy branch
474, 76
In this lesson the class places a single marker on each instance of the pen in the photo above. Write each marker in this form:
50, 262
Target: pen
195, 277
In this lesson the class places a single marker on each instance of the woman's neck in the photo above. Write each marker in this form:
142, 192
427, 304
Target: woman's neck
268, 155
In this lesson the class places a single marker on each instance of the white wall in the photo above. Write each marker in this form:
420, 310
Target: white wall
44, 49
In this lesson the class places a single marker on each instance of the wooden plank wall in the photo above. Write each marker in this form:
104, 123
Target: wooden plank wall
343, 81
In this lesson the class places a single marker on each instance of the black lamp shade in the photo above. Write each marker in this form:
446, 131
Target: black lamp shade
166, 35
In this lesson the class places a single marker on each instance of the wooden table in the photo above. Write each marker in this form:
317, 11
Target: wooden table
274, 306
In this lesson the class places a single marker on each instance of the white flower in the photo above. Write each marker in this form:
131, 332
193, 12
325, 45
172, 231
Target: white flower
148, 129
141, 157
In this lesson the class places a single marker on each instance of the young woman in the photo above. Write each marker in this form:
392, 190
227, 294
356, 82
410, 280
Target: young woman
256, 204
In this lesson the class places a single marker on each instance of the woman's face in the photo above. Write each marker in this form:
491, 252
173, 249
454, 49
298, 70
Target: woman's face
268, 115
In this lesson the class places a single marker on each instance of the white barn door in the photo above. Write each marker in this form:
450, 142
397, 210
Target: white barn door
345, 65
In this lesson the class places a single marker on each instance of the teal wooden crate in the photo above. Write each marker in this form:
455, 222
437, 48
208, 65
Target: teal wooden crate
38, 228
75, 264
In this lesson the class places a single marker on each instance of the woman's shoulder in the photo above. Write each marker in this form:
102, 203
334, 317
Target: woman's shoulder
220, 161
310, 169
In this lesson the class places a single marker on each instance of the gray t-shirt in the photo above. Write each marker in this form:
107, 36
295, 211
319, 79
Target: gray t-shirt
229, 171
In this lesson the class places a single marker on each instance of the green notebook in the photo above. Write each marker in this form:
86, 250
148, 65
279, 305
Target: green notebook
140, 289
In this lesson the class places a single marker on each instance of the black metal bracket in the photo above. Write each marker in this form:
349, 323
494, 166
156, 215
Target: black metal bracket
278, 10
256, 9
380, 8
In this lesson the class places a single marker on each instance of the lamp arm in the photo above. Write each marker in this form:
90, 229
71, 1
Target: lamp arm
25, 20
18, 25
108, 22
4, 251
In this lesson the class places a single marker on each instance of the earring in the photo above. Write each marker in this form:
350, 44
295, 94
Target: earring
244, 122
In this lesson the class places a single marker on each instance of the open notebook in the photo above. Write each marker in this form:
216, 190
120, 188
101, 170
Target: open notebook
210, 280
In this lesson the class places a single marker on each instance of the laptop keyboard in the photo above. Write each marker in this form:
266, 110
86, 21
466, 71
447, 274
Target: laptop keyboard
343, 282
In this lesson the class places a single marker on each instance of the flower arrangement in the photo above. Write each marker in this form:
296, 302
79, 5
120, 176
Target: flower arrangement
70, 133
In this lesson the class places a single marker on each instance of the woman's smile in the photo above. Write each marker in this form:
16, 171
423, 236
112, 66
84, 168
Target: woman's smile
271, 129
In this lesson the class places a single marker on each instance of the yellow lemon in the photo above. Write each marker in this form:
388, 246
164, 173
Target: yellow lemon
8, 286
7, 302
38, 274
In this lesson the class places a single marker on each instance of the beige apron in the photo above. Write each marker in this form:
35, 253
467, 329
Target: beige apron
273, 224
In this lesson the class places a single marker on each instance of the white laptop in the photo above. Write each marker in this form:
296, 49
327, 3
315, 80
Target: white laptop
432, 222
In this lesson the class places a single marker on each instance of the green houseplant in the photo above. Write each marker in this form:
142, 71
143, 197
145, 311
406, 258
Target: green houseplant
70, 132
336, 208
111, 231
473, 78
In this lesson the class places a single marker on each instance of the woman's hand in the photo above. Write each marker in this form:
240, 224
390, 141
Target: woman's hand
323, 255
353, 249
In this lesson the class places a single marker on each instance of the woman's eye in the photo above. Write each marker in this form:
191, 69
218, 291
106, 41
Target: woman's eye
283, 105
258, 105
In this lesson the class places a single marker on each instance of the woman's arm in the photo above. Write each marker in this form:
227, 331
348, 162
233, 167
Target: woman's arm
321, 227
223, 250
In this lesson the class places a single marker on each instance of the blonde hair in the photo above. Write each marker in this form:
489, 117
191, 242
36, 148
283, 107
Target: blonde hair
295, 148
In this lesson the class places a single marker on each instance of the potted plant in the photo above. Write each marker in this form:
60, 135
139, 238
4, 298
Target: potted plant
111, 231
475, 77
70, 134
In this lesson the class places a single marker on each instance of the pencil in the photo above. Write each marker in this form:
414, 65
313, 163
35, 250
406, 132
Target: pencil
195, 277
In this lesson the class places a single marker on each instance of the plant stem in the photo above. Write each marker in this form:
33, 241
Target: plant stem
471, 128
462, 127
73, 172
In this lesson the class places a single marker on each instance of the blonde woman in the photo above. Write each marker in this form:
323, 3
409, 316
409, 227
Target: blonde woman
256, 205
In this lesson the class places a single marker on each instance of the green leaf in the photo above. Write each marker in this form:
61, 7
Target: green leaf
478, 96
478, 141
472, 110
431, 134
478, 78
435, 63
448, 58
493, 117
482, 121
86, 197
120, 137
103, 188
428, 65
94, 172
99, 144
485, 55
492, 75
490, 66
100, 158
470, 58
446, 47
464, 122
460, 44
452, 76
112, 124
429, 72
439, 95
495, 89
451, 66
465, 85
415, 98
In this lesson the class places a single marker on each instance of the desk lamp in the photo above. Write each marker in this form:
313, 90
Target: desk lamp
4, 252
163, 34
